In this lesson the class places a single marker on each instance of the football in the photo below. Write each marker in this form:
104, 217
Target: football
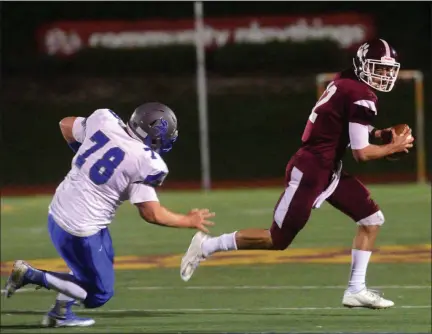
386, 138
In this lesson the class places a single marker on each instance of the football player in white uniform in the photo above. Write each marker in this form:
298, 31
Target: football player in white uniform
114, 162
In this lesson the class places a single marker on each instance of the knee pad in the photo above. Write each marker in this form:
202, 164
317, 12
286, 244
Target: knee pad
376, 219
97, 300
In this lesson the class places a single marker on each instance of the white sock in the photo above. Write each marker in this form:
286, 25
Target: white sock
359, 263
65, 287
63, 297
224, 242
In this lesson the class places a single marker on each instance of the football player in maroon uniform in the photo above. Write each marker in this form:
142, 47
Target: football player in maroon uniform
342, 117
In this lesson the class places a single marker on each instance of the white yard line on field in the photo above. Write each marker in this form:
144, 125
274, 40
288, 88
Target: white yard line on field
255, 287
246, 309
270, 287
223, 309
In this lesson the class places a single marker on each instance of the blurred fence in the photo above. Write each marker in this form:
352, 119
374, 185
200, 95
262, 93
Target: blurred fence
255, 122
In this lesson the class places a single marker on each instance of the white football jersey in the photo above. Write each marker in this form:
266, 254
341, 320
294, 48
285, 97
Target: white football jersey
109, 168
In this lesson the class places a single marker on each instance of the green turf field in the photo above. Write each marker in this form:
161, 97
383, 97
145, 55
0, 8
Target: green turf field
298, 290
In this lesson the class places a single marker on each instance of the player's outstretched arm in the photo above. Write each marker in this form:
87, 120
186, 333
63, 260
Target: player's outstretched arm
153, 212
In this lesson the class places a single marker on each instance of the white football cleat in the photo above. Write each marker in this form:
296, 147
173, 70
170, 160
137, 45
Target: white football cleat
366, 298
61, 315
193, 256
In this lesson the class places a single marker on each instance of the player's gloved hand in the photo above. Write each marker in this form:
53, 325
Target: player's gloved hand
403, 141
197, 218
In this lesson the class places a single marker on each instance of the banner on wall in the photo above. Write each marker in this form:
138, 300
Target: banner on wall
69, 37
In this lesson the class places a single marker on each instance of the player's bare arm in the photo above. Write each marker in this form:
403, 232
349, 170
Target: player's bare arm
154, 213
74, 138
66, 125
364, 151
399, 143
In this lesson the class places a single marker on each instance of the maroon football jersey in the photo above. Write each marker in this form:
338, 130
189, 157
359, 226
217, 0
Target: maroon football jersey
345, 100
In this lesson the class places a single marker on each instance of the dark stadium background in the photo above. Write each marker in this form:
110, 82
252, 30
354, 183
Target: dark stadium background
258, 104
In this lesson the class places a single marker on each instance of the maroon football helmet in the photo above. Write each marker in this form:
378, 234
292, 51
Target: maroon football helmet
376, 65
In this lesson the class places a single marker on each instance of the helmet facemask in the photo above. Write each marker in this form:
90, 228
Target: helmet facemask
161, 144
158, 138
379, 74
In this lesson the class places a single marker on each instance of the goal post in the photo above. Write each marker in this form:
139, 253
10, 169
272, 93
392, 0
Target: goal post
417, 77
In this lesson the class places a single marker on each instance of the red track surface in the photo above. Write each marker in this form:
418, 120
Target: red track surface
227, 184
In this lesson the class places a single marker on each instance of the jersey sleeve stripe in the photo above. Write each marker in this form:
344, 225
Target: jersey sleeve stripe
313, 116
368, 104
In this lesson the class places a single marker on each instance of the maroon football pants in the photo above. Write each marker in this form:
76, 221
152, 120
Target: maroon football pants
305, 182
